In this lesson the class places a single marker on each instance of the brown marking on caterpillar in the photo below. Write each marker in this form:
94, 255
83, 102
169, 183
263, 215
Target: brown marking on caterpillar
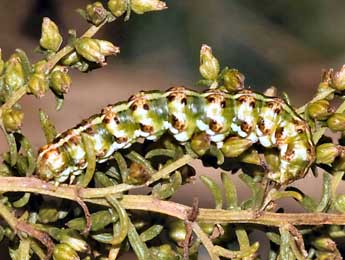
262, 127
215, 126
177, 94
178, 124
146, 128
245, 127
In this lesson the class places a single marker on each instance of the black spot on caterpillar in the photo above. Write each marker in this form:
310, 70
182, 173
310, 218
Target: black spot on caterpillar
267, 121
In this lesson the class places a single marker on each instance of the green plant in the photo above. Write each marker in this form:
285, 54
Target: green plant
110, 220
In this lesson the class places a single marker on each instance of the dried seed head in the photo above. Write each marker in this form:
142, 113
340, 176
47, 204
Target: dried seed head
96, 13
137, 174
117, 7
60, 82
107, 48
320, 109
12, 119
336, 122
200, 143
14, 74
50, 36
233, 80
143, 6
209, 65
90, 50
38, 84
70, 59
326, 153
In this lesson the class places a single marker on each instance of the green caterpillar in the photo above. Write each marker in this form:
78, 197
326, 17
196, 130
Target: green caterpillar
267, 121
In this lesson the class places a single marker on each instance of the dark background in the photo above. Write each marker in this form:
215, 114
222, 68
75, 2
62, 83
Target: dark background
281, 43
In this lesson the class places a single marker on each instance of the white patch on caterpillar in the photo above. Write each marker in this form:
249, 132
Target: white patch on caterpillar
252, 137
77, 153
265, 141
217, 138
55, 160
182, 137
220, 145
201, 125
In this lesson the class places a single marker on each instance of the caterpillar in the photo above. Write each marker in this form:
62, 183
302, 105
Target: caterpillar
267, 121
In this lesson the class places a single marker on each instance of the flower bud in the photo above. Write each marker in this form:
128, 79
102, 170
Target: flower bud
38, 84
64, 252
75, 241
50, 37
117, 7
60, 82
177, 231
233, 80
137, 174
324, 244
143, 6
339, 203
12, 119
48, 215
39, 66
200, 143
90, 50
107, 48
209, 65
14, 74
336, 122
96, 13
70, 59
235, 146
326, 153
252, 157
320, 109
338, 79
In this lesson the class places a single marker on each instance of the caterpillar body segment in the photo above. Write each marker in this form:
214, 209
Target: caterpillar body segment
265, 120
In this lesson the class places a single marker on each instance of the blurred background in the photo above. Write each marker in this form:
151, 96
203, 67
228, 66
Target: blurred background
273, 43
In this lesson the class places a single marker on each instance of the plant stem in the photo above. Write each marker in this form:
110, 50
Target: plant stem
148, 203
205, 241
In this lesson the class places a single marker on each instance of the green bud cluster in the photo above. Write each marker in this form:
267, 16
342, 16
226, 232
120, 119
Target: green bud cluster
117, 7
336, 122
95, 50
12, 119
233, 80
209, 65
51, 38
64, 252
144, 6
60, 81
96, 13
320, 110
326, 153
